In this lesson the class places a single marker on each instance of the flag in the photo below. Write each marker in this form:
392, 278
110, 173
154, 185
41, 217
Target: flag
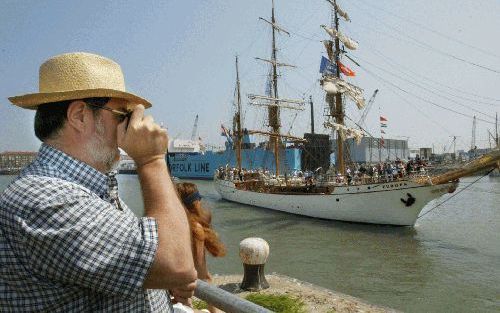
345, 70
326, 67
383, 118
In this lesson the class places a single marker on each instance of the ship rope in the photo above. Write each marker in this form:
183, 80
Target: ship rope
378, 77
455, 194
423, 44
421, 86
407, 20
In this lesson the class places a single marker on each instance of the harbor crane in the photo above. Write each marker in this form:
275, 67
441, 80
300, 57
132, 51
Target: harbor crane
367, 108
195, 128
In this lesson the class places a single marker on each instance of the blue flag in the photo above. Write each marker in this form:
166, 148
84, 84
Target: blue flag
326, 67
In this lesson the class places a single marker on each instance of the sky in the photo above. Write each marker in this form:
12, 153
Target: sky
436, 63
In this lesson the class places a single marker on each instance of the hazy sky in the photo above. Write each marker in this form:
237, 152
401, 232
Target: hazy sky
180, 56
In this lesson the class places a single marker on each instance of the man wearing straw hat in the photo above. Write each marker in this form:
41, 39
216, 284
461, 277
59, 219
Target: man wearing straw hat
67, 241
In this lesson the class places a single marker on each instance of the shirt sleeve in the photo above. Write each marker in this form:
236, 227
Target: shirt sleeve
85, 241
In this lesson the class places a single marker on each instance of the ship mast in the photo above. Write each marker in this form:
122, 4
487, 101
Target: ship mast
339, 110
273, 102
239, 134
336, 87
274, 118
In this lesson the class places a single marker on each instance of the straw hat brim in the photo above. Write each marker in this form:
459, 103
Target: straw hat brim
32, 101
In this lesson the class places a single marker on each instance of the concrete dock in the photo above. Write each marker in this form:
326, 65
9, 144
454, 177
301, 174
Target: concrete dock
315, 298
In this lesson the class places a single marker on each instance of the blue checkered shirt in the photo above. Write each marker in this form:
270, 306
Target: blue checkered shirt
69, 244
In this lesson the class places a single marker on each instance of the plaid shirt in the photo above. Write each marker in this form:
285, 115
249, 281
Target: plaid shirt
68, 243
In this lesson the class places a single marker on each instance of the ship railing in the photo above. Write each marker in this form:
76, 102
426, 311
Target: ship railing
225, 300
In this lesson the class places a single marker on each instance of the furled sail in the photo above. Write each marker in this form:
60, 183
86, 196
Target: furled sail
334, 85
347, 132
348, 42
342, 13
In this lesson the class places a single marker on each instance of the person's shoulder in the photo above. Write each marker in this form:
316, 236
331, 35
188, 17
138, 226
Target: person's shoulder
38, 189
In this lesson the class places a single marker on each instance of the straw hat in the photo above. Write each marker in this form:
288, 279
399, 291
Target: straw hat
78, 75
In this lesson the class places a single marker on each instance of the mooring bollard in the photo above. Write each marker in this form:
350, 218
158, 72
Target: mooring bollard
253, 254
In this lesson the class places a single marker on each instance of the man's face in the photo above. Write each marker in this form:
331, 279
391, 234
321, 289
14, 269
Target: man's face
103, 146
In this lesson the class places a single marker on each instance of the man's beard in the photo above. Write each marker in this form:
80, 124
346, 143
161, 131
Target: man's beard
100, 152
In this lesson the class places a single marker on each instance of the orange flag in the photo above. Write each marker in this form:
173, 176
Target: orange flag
344, 69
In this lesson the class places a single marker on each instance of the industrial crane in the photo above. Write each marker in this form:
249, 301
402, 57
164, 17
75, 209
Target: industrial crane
367, 108
195, 128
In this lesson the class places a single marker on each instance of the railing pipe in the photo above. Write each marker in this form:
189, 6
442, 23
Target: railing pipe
224, 300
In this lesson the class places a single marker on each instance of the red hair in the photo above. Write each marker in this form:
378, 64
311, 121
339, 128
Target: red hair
197, 215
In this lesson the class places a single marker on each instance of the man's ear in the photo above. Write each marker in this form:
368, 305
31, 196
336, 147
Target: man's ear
77, 116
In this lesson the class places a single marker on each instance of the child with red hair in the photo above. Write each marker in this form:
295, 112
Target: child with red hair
203, 236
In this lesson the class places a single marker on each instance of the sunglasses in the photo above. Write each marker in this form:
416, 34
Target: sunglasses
121, 115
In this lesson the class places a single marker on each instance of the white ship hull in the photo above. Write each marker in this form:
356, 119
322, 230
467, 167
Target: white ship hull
384, 203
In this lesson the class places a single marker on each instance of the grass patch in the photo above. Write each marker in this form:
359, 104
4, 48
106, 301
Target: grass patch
277, 303
199, 304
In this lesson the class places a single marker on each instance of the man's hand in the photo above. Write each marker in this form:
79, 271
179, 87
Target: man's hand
143, 140
184, 294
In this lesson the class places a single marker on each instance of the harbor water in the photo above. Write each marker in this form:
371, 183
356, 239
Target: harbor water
448, 262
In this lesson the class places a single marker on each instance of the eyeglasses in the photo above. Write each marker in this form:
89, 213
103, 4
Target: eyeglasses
121, 115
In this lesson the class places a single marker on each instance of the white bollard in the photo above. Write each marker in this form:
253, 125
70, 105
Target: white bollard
254, 253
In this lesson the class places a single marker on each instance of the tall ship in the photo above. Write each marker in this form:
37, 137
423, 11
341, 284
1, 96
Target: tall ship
386, 199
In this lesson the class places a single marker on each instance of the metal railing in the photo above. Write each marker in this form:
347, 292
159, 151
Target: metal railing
225, 300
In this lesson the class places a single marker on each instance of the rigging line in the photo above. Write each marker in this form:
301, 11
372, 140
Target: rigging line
406, 19
372, 49
285, 82
396, 65
306, 37
458, 192
419, 110
424, 88
257, 35
423, 99
431, 47
301, 52
306, 20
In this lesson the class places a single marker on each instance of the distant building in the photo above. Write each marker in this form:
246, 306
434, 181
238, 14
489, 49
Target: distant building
12, 162
414, 152
372, 150
425, 153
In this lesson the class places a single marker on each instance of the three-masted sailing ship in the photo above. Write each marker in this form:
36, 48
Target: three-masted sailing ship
396, 202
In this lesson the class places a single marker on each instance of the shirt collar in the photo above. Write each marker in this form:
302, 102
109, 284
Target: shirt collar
74, 170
